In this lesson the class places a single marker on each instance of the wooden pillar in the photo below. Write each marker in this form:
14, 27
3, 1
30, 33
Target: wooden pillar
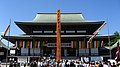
58, 37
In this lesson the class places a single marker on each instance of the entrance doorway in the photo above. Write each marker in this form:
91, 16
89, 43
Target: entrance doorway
71, 52
49, 51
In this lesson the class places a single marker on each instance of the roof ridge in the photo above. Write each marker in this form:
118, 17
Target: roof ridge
62, 13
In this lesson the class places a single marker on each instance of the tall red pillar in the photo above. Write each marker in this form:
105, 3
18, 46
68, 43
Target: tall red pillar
58, 37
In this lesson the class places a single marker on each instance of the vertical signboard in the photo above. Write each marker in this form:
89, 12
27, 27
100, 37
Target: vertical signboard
58, 37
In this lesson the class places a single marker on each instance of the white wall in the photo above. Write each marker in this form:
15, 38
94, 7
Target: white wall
83, 51
36, 51
94, 51
22, 59
24, 51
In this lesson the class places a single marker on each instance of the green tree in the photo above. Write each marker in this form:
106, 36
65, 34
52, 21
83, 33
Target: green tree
117, 37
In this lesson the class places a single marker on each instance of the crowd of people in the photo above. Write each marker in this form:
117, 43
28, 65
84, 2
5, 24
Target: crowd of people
48, 62
71, 63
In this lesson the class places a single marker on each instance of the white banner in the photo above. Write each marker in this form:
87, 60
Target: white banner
94, 51
62, 44
22, 59
24, 51
83, 52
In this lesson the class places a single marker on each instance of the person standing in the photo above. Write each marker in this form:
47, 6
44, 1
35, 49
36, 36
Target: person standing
24, 64
35, 64
15, 65
100, 64
114, 65
0, 63
32, 64
11, 65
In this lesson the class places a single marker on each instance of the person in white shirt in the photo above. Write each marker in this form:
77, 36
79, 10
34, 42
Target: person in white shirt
105, 64
38, 63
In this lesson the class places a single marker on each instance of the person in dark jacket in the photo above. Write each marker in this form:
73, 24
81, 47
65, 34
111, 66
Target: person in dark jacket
114, 65
100, 64
35, 64
18, 65
72, 64
32, 64
11, 65
24, 64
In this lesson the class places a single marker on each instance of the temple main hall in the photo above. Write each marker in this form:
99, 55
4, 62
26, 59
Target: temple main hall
39, 38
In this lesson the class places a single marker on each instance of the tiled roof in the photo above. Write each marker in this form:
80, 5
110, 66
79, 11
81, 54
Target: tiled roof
3, 45
65, 17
